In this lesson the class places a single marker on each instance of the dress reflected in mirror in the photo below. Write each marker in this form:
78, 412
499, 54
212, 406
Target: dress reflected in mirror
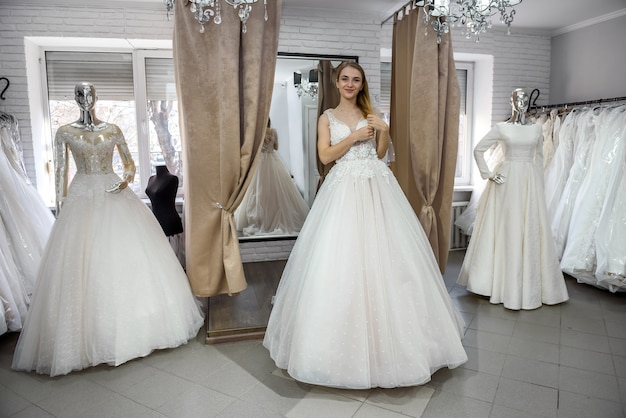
272, 204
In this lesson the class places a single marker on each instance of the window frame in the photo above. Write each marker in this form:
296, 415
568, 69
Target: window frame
138, 58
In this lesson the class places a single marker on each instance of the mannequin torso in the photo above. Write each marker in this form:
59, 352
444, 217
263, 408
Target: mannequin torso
161, 190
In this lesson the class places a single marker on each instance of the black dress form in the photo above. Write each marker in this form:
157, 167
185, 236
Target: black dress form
161, 190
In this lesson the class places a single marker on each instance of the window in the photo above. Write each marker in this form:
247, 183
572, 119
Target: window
136, 91
464, 71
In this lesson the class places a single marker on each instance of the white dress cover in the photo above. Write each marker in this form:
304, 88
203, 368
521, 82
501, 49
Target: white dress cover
511, 256
110, 288
272, 204
361, 302
25, 223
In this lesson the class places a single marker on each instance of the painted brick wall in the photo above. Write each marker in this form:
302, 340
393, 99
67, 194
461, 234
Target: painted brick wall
520, 60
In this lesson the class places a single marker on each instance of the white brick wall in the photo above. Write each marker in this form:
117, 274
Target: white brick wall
520, 60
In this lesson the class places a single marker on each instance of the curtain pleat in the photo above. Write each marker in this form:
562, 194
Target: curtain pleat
425, 124
224, 84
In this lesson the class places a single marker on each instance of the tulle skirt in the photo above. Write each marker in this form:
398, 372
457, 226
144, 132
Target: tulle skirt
110, 287
272, 204
361, 302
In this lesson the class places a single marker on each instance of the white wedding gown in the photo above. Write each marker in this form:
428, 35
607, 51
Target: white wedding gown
511, 257
361, 302
272, 204
110, 288
25, 223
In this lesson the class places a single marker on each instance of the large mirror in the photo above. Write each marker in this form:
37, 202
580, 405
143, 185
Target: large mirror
286, 177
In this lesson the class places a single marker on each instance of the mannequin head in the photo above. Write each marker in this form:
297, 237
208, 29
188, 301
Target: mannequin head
519, 100
85, 95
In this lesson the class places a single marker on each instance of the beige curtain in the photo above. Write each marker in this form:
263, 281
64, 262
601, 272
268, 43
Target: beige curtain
328, 98
224, 80
424, 124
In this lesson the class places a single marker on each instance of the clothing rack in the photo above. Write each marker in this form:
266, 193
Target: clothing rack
581, 103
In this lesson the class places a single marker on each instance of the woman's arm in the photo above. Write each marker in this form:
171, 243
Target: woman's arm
328, 153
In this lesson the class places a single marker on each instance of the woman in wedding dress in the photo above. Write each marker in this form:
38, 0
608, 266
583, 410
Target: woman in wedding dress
25, 223
511, 257
272, 204
110, 288
361, 302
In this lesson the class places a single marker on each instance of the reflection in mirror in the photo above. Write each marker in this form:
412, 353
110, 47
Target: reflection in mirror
286, 177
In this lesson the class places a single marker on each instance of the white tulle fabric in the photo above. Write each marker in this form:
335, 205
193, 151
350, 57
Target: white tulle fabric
361, 302
25, 224
595, 248
110, 288
272, 204
511, 257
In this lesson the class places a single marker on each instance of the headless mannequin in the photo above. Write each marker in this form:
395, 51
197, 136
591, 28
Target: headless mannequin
161, 190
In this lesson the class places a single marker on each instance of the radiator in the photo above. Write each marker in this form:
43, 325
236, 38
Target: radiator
458, 240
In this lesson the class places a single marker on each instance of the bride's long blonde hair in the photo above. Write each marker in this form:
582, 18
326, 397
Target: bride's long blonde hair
363, 98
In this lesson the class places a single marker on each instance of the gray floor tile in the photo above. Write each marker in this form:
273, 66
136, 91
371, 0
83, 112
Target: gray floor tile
585, 341
587, 360
538, 400
593, 384
574, 405
534, 350
531, 371
489, 362
535, 332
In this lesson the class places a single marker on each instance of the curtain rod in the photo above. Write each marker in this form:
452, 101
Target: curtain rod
585, 102
408, 3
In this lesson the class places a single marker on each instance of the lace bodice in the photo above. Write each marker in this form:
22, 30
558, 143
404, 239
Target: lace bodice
92, 152
271, 138
365, 150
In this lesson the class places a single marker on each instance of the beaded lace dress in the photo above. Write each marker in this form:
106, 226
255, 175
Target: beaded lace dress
110, 288
361, 302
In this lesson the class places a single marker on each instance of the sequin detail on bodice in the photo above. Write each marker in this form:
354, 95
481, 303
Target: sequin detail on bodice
93, 151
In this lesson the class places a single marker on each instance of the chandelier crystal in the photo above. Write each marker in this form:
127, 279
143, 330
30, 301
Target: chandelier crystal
205, 10
308, 87
474, 16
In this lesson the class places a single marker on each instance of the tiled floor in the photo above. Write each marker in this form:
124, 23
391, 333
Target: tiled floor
559, 361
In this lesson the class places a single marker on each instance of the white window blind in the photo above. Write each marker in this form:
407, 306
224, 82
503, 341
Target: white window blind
110, 73
160, 81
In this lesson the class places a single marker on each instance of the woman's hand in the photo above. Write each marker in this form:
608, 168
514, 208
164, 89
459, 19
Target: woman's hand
377, 123
363, 134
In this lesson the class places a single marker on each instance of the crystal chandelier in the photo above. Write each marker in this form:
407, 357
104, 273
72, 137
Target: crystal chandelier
204, 10
308, 87
474, 16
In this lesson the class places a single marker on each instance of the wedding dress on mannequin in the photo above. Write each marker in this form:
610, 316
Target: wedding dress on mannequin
110, 288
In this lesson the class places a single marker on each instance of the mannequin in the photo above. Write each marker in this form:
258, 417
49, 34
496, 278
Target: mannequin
109, 288
161, 190
511, 257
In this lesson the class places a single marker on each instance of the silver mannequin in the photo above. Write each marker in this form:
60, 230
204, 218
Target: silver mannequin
519, 106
